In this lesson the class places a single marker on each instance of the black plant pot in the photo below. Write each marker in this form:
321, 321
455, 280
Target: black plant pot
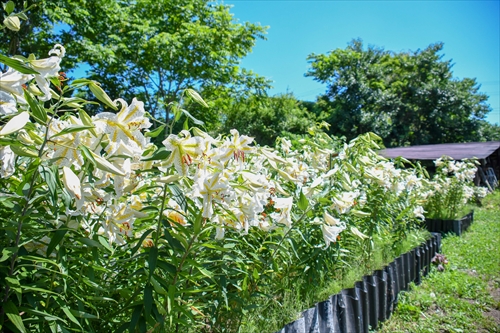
418, 265
392, 287
373, 301
328, 316
362, 287
350, 310
400, 263
445, 226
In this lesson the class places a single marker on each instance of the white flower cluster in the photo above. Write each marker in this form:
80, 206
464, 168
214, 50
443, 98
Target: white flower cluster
234, 184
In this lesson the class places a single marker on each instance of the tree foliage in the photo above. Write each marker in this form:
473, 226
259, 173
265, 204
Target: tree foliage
152, 50
266, 119
408, 98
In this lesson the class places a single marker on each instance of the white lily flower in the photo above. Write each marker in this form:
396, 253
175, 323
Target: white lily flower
64, 149
124, 127
119, 222
48, 67
330, 220
419, 212
208, 186
358, 233
184, 150
330, 233
7, 161
284, 205
286, 145
12, 82
345, 202
237, 146
7, 104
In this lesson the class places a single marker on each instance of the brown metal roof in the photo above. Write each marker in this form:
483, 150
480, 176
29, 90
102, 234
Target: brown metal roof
457, 151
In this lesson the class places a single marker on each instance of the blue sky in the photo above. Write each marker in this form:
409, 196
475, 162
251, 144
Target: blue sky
470, 31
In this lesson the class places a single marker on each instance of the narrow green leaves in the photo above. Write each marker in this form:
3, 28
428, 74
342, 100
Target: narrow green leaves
37, 111
13, 314
17, 65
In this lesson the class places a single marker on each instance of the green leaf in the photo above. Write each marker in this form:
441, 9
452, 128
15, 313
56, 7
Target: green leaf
197, 222
82, 314
166, 267
155, 133
50, 178
205, 272
196, 121
44, 315
67, 312
100, 162
82, 81
139, 243
135, 318
37, 111
160, 154
89, 242
9, 7
22, 16
174, 243
152, 258
104, 242
14, 284
56, 239
87, 154
255, 274
13, 314
7, 253
179, 197
17, 65
303, 202
23, 151
170, 299
72, 129
87, 121
148, 299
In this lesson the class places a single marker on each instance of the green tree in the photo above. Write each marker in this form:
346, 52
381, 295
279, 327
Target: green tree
268, 118
408, 98
149, 49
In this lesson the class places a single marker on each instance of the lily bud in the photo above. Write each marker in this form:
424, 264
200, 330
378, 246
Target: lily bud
72, 182
101, 95
24, 137
12, 23
358, 233
15, 123
330, 220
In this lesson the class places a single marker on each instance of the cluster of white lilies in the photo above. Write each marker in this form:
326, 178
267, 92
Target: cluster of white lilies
235, 183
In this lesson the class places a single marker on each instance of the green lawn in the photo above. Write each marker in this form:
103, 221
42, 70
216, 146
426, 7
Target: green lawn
466, 296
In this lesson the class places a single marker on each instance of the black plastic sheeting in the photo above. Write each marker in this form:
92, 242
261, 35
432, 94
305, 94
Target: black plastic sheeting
445, 226
372, 299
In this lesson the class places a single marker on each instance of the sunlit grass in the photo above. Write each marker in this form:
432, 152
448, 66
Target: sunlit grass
455, 300
273, 313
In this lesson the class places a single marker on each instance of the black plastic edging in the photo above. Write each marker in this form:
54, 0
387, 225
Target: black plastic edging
456, 226
372, 300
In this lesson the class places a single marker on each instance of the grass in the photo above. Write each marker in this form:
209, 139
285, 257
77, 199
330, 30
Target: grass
273, 314
465, 297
